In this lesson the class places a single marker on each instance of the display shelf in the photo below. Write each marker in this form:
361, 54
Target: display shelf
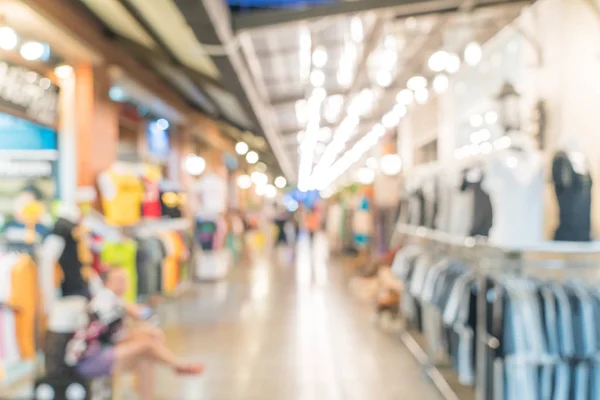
443, 377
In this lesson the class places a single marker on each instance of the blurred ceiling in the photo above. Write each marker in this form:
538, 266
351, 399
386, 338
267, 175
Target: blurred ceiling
358, 55
259, 64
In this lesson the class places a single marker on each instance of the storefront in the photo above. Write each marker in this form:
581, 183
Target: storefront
29, 153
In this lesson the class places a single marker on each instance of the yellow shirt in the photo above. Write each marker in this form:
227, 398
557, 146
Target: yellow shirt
123, 206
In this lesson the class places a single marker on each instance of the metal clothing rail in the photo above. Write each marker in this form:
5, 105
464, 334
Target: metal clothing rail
485, 260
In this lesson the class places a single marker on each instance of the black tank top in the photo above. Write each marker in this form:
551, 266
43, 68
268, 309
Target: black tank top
73, 283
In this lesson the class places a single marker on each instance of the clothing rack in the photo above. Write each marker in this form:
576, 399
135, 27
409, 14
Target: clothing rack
486, 260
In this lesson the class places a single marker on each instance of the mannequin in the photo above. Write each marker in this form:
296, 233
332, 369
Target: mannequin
482, 213
26, 230
65, 248
514, 180
573, 188
210, 195
122, 194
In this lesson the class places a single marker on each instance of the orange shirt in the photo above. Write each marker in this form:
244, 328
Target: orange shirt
312, 221
24, 298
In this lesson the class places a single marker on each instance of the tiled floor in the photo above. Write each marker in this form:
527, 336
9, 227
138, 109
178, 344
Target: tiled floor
283, 331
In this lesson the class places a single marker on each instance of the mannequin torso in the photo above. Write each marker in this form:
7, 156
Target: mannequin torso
514, 180
573, 188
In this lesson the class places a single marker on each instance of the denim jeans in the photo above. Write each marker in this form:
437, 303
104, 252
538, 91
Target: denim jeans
587, 317
565, 321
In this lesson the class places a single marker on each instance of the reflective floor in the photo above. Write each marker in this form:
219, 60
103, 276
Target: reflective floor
285, 329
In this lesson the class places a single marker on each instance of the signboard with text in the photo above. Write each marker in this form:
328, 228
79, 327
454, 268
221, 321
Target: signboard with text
28, 94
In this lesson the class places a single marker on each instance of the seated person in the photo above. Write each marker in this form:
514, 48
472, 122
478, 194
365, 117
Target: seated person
105, 347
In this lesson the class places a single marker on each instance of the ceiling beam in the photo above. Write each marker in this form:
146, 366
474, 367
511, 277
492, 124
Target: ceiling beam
402, 8
263, 19
163, 51
75, 18
210, 21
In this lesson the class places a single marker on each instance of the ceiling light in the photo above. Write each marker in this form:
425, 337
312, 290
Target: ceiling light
391, 164
162, 124
491, 117
317, 78
334, 106
416, 82
319, 57
252, 157
344, 77
320, 148
260, 190
63, 71
8, 38
422, 96
319, 94
372, 163
356, 29
32, 51
390, 43
440, 83
45, 83
350, 53
486, 147
244, 182
390, 120
384, 79
325, 134
378, 130
453, 63
400, 110
484, 135
366, 176
362, 103
241, 148
473, 54
259, 178
502, 143
116, 93
270, 191
301, 111
194, 165
438, 60
476, 120
405, 96
389, 58
280, 182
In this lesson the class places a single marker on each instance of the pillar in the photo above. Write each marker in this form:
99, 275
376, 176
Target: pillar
97, 124
67, 134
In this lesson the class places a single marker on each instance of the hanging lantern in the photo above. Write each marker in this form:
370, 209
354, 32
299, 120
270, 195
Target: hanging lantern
509, 102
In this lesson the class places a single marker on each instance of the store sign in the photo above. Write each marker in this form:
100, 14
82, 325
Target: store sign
28, 93
20, 134
25, 169
158, 141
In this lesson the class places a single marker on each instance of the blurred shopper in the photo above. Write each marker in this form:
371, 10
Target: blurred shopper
312, 220
104, 347
282, 218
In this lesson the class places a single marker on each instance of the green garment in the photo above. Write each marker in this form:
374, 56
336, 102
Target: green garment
123, 254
